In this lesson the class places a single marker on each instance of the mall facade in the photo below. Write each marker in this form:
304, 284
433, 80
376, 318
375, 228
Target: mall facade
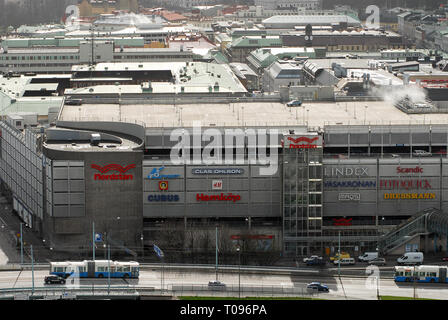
119, 182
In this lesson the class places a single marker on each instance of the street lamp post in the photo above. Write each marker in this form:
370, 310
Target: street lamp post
21, 243
108, 268
238, 249
32, 268
143, 248
339, 255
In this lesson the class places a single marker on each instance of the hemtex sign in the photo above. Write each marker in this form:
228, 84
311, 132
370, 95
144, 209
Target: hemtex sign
113, 167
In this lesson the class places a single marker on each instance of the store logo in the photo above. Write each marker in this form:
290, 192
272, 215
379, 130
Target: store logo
113, 167
217, 184
349, 196
163, 198
409, 196
220, 197
350, 184
156, 175
163, 185
346, 172
405, 184
410, 170
218, 171
342, 222
309, 143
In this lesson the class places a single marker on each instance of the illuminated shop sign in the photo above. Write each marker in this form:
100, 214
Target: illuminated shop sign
346, 172
349, 197
410, 170
163, 198
217, 171
350, 184
409, 196
302, 143
156, 174
405, 184
342, 222
218, 197
113, 167
163, 185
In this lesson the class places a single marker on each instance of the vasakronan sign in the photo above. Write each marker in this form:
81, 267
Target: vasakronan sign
113, 167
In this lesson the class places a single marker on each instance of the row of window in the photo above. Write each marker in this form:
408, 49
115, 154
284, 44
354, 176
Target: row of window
7, 58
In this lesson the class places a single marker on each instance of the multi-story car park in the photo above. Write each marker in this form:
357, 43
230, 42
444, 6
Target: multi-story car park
355, 181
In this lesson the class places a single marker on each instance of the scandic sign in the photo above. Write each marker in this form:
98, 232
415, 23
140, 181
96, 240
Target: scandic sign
294, 144
113, 167
410, 170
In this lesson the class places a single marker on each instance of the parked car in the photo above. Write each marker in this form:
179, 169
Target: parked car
294, 103
54, 279
445, 259
411, 258
318, 286
378, 262
421, 153
345, 261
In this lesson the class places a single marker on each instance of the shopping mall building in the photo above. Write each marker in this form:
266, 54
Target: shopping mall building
295, 187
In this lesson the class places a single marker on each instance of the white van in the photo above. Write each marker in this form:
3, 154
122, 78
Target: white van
411, 258
345, 261
368, 256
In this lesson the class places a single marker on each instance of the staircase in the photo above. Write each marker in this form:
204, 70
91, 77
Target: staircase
423, 223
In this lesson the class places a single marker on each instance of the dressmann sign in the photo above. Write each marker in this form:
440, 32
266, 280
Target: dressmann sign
256, 141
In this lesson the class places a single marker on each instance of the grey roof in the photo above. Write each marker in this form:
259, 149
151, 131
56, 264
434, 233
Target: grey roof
311, 19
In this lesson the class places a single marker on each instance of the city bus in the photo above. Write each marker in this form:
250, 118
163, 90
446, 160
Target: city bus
431, 274
96, 269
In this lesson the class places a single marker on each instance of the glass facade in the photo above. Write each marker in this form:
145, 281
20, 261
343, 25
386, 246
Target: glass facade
302, 200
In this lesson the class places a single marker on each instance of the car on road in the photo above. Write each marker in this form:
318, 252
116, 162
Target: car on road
445, 259
318, 261
342, 255
305, 260
317, 286
378, 262
54, 279
294, 103
216, 285
345, 261
421, 153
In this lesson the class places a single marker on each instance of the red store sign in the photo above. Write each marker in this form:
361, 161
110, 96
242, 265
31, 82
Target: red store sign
218, 197
417, 169
342, 222
405, 184
113, 167
302, 143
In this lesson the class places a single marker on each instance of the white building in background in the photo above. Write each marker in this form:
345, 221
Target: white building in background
284, 4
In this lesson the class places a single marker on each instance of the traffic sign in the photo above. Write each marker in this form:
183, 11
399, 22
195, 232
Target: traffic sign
158, 251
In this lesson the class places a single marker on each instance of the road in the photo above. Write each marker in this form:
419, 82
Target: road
345, 288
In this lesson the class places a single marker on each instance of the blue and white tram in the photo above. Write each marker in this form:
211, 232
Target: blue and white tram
431, 274
96, 269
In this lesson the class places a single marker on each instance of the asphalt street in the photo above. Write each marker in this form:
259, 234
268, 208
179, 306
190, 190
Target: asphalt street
345, 288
